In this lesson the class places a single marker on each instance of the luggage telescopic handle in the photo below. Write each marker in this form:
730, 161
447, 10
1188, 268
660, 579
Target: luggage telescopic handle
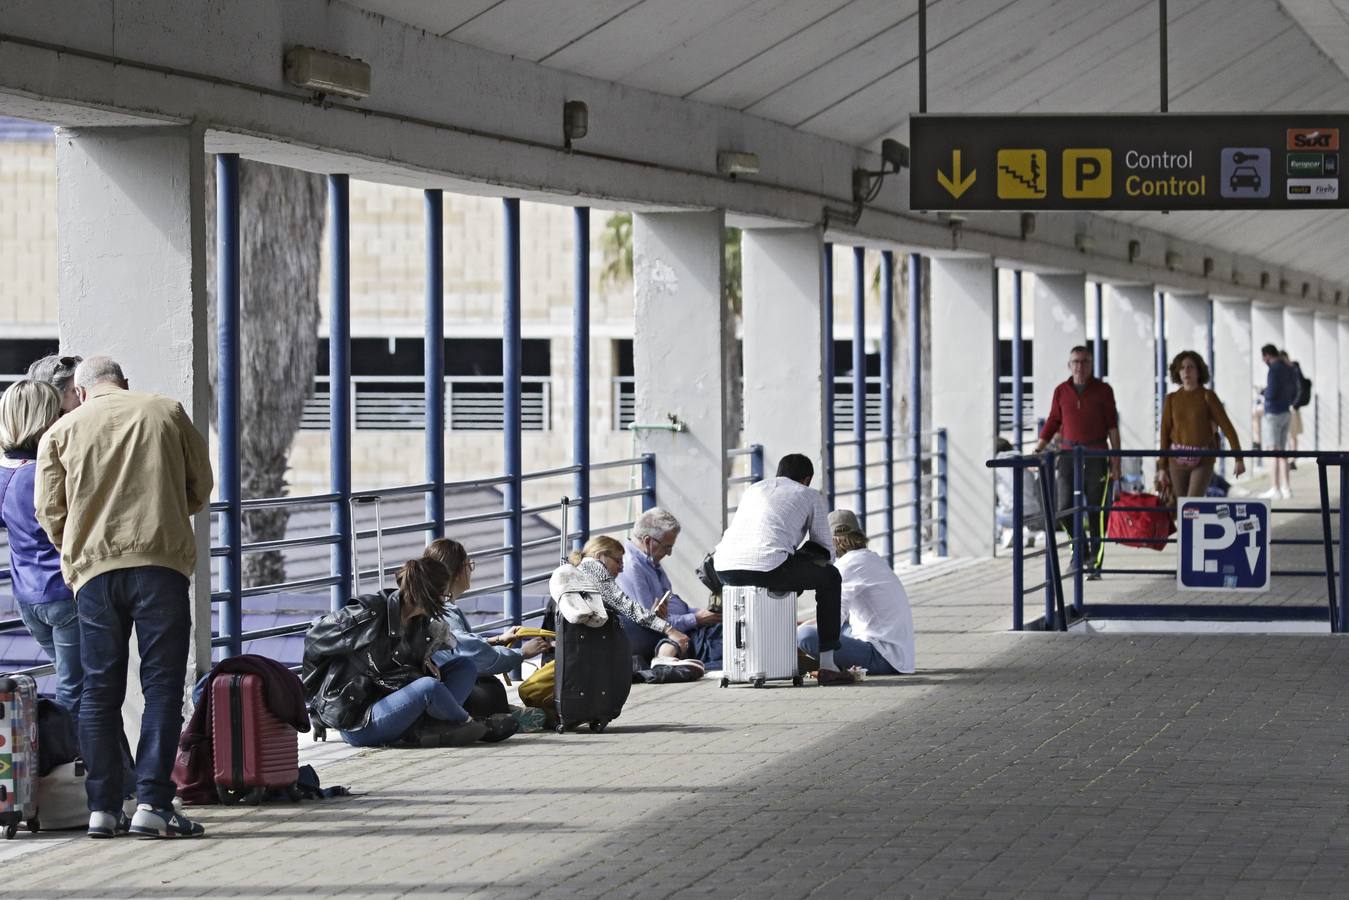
564, 506
379, 545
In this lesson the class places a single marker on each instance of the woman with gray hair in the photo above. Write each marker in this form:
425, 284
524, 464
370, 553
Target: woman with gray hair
46, 604
59, 372
877, 622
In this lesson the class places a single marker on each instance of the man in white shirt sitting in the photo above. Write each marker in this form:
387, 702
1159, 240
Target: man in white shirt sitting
877, 622
760, 549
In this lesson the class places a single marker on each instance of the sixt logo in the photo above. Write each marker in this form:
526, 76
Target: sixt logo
1313, 139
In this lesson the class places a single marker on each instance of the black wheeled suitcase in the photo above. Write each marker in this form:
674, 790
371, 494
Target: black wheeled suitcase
593, 667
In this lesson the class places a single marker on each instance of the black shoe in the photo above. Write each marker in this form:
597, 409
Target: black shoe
1292, 464
439, 733
1093, 574
499, 727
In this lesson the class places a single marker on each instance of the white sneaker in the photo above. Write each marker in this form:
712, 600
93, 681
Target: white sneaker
1005, 539
1272, 494
1286, 493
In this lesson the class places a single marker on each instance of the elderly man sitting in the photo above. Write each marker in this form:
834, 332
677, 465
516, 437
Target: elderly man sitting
877, 623
643, 579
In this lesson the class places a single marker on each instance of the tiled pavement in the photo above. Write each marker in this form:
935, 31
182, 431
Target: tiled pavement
1010, 765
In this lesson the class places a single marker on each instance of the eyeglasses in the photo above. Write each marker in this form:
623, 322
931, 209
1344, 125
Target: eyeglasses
69, 362
667, 545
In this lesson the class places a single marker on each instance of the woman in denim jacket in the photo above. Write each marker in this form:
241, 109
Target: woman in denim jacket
46, 604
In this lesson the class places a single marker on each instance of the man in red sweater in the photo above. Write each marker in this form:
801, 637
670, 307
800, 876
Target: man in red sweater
1083, 409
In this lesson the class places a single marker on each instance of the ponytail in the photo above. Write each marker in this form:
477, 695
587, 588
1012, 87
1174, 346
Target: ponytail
422, 584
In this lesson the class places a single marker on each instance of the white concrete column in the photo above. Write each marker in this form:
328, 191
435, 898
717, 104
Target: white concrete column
131, 248
1232, 371
1131, 313
680, 356
1342, 383
1060, 323
782, 328
1326, 381
964, 394
1187, 325
1299, 334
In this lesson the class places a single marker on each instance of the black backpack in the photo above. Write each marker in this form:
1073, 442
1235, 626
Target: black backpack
1304, 389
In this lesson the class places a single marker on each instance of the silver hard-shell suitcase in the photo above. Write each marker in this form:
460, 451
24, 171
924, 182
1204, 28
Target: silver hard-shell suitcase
760, 633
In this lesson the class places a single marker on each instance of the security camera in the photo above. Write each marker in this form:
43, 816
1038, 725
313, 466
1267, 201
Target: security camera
895, 154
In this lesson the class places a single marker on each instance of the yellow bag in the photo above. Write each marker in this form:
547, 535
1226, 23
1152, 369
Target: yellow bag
537, 689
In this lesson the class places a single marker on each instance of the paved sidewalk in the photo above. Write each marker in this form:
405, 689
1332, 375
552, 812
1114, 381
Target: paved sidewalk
1010, 765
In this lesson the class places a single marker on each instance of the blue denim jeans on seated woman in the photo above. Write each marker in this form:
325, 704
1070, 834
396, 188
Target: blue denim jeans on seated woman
443, 699
154, 601
851, 651
55, 625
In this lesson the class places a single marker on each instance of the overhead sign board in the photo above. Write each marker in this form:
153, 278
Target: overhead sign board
1127, 162
1224, 545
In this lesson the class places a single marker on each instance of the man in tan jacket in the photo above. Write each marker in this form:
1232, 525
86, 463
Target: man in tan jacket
117, 483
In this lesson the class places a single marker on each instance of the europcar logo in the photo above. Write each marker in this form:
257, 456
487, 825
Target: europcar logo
1313, 139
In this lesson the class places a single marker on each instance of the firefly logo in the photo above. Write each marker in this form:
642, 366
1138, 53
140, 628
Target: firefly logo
1313, 139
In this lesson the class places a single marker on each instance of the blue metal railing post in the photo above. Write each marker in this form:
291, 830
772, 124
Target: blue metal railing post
859, 378
511, 352
941, 495
580, 391
433, 345
1079, 526
339, 382
827, 327
1159, 307
888, 399
916, 401
228, 403
648, 481
1344, 542
1098, 342
1018, 363
1018, 549
755, 463
1047, 475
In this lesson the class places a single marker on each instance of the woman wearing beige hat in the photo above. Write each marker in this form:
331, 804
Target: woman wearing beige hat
877, 622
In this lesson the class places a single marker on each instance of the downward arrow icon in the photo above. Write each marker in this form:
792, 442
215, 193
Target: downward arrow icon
955, 185
1252, 551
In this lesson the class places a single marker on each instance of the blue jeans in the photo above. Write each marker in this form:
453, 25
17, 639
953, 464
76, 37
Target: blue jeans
851, 652
154, 601
443, 699
55, 625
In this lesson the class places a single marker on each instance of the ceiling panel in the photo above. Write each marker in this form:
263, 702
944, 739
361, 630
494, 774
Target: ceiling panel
847, 69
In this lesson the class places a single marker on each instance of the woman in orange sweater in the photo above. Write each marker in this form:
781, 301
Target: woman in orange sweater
1191, 417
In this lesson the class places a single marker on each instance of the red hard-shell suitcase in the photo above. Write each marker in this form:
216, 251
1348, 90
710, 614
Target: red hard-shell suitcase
254, 750
18, 753
1139, 527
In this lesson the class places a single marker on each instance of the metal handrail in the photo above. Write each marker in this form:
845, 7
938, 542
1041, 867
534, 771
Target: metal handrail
1337, 595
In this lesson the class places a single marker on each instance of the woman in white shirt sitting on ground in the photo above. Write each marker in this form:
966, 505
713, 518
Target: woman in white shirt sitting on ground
877, 623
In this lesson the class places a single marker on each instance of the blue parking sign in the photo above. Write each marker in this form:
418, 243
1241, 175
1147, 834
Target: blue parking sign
1224, 545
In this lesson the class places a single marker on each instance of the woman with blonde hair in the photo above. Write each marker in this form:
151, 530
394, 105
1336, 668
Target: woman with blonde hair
599, 562
1191, 418
46, 604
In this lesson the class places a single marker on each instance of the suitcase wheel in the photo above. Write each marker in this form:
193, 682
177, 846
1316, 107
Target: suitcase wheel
560, 728
598, 725
229, 797
34, 826
293, 793
760, 681
725, 682
10, 831
797, 681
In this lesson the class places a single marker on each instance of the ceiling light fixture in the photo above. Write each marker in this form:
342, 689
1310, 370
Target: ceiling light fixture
327, 73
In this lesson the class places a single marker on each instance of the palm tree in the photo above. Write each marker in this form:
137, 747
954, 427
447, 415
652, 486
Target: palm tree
281, 216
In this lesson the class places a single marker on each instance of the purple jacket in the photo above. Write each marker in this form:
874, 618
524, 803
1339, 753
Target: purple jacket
34, 564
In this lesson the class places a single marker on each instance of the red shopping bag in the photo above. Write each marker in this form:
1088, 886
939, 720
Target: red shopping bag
1136, 526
